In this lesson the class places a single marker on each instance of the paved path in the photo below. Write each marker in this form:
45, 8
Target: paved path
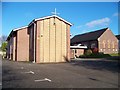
80, 74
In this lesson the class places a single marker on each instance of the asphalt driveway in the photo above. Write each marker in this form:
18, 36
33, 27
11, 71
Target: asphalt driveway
76, 74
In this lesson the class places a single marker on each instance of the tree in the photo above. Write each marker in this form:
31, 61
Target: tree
3, 46
3, 39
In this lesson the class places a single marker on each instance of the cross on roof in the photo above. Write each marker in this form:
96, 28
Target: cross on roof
55, 12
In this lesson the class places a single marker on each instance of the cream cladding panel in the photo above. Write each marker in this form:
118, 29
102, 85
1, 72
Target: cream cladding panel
63, 41
52, 40
41, 42
58, 40
46, 40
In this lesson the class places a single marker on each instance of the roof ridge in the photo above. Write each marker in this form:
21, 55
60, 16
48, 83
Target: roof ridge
93, 31
45, 17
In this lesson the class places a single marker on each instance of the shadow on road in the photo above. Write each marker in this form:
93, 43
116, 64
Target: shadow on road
112, 66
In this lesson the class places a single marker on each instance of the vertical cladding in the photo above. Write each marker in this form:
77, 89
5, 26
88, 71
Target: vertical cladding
38, 42
68, 41
63, 41
41, 41
46, 40
52, 40
14, 47
58, 40
31, 42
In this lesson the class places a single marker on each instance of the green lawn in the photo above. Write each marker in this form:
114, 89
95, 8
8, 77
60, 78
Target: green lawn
99, 55
115, 54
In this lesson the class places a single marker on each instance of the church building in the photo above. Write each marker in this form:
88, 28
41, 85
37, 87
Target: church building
103, 40
44, 40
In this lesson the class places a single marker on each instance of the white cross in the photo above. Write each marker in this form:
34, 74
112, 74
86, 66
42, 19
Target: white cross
55, 13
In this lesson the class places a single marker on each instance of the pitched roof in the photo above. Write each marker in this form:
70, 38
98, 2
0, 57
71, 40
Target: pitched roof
118, 37
16, 29
51, 17
88, 36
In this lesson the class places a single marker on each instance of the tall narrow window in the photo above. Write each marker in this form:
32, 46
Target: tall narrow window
113, 45
75, 51
108, 43
103, 43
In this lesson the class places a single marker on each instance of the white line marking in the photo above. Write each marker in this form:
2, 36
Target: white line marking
31, 72
45, 79
22, 67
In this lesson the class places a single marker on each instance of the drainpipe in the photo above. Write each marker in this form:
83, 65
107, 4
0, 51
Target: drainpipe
34, 43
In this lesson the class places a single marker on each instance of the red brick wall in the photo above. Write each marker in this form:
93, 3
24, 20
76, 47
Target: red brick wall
68, 42
22, 45
108, 35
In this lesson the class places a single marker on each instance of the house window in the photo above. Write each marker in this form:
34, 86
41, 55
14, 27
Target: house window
103, 43
75, 51
113, 49
113, 45
108, 43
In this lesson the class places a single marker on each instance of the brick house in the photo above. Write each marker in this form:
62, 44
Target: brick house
104, 40
44, 40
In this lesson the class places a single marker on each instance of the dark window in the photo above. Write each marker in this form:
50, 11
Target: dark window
75, 51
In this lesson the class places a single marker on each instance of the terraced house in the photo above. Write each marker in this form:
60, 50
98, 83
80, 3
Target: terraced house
44, 40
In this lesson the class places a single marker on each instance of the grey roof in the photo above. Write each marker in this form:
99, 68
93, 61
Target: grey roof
118, 37
94, 35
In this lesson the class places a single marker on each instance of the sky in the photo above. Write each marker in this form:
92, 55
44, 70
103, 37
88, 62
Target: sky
85, 16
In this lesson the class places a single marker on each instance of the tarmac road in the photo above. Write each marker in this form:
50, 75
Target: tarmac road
78, 74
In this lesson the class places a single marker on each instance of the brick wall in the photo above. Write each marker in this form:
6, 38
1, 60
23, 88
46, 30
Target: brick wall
109, 39
22, 45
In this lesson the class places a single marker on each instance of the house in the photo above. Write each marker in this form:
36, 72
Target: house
44, 40
104, 40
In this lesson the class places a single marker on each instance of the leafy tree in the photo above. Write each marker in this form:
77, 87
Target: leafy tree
3, 46
3, 39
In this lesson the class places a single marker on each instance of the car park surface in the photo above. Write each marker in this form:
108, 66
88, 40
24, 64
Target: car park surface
74, 74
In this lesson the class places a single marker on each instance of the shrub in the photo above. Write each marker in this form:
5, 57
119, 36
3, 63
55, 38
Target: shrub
88, 52
95, 50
